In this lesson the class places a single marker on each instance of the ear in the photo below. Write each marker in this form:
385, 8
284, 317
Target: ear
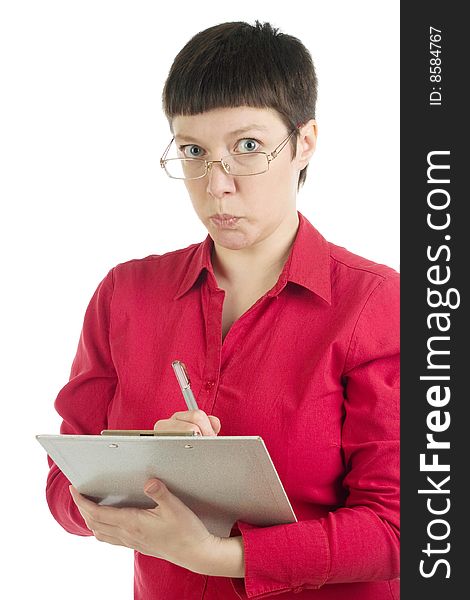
306, 143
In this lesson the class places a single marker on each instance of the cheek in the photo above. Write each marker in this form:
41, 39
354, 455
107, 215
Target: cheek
280, 183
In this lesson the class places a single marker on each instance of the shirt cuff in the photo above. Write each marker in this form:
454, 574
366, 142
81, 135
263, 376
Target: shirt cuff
282, 558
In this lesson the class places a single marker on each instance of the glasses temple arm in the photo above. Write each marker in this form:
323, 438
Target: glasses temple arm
276, 151
166, 152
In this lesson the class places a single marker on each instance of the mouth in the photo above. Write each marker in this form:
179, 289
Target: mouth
224, 221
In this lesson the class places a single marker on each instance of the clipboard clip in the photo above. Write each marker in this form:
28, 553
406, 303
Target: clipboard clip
149, 433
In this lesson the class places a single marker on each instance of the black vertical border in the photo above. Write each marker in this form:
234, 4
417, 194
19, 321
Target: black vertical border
425, 128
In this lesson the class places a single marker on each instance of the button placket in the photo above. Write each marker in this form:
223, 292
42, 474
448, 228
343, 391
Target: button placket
213, 350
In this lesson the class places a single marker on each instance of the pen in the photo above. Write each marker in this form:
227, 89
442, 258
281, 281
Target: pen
183, 379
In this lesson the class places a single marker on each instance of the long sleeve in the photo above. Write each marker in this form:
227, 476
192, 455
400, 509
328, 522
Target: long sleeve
83, 401
358, 542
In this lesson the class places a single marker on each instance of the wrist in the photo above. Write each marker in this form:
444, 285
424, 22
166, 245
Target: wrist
224, 557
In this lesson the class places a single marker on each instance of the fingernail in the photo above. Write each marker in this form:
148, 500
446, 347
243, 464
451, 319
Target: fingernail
153, 487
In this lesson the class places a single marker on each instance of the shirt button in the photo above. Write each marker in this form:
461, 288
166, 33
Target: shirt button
209, 385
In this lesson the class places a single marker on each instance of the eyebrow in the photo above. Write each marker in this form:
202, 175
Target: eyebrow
252, 127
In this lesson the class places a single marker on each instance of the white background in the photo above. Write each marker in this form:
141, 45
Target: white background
81, 132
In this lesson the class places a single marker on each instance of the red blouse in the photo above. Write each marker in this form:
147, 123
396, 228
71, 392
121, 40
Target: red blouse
312, 367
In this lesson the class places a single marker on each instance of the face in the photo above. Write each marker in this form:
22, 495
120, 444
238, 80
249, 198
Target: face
255, 208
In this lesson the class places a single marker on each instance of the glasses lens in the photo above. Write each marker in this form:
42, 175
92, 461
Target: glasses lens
180, 168
246, 164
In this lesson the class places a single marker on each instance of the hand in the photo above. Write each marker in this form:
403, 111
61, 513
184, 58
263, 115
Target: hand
170, 531
195, 420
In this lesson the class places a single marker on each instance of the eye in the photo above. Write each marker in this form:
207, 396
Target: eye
248, 145
191, 151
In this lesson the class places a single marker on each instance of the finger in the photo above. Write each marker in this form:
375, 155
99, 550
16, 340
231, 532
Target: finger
169, 506
94, 513
103, 530
109, 539
215, 422
156, 489
196, 417
163, 498
89, 521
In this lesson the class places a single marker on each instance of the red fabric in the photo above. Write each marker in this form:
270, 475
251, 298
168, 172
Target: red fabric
312, 367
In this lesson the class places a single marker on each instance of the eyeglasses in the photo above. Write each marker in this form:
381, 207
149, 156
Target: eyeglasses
238, 165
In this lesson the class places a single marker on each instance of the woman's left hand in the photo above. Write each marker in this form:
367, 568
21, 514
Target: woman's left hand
170, 531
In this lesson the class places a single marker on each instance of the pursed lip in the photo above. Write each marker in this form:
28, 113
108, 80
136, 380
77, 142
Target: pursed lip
224, 217
224, 221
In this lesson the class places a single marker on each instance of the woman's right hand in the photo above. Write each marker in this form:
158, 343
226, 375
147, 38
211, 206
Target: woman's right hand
190, 420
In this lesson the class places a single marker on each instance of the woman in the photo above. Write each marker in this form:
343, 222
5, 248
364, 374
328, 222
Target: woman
284, 335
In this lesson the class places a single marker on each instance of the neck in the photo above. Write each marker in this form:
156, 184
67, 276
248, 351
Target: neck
260, 262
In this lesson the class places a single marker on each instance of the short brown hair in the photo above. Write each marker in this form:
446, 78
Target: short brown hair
238, 64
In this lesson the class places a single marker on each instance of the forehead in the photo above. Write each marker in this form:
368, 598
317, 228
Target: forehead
223, 121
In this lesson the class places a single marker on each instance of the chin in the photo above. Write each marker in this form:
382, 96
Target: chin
232, 240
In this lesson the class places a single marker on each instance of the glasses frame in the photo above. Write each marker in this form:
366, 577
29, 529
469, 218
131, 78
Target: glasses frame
208, 163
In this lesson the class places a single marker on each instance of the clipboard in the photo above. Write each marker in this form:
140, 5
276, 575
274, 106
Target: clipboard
222, 479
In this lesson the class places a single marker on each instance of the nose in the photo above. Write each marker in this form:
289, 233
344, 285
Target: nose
219, 182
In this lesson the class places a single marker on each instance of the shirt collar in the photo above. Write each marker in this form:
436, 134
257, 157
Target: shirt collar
308, 264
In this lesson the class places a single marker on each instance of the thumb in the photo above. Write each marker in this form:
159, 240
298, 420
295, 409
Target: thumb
215, 422
155, 489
